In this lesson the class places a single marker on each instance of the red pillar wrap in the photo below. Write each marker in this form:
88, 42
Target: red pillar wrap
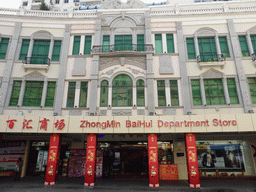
53, 160
89, 177
193, 172
153, 161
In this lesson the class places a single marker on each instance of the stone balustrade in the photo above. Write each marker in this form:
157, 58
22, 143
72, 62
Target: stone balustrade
197, 8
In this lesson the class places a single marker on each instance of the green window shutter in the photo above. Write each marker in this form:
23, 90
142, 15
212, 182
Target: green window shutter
232, 91
170, 43
207, 49
76, 45
87, 45
140, 93
71, 94
123, 42
122, 91
224, 46
3, 47
24, 49
253, 39
174, 93
83, 94
196, 92
140, 42
158, 43
15, 93
191, 48
252, 86
49, 100
56, 51
40, 52
106, 43
33, 93
104, 94
244, 46
214, 92
161, 93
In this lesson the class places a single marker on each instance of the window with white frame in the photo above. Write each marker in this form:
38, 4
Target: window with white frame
214, 91
212, 48
170, 86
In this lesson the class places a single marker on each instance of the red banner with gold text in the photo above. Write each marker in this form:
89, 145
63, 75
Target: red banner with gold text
153, 161
193, 172
90, 160
53, 160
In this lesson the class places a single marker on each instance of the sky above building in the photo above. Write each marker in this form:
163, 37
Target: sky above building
16, 3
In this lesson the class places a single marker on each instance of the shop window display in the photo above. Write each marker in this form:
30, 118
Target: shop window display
224, 156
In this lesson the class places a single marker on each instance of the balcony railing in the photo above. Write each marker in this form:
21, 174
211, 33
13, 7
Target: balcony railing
122, 47
210, 58
40, 60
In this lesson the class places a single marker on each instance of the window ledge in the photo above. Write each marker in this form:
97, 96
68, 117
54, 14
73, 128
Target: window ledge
80, 56
28, 108
211, 64
36, 66
216, 106
166, 107
172, 54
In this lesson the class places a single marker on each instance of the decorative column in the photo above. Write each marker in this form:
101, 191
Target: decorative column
22, 90
44, 92
192, 162
202, 90
225, 88
51, 49
196, 46
249, 43
53, 160
153, 161
89, 178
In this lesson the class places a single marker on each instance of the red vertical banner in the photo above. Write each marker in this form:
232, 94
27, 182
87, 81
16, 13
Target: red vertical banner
53, 160
89, 177
192, 162
153, 161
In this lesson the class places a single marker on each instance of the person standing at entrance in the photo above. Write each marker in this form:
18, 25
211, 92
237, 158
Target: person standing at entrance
18, 169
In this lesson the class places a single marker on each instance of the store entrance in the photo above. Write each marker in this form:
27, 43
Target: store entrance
125, 160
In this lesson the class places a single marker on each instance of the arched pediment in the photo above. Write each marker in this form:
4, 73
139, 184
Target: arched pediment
123, 22
212, 74
42, 35
206, 31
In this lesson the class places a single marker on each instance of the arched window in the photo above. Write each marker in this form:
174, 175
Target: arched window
104, 94
140, 93
122, 91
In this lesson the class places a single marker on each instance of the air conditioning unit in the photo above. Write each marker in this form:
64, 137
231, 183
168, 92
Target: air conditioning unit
76, 4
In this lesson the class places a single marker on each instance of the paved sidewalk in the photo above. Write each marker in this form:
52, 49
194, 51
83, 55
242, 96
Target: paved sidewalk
35, 184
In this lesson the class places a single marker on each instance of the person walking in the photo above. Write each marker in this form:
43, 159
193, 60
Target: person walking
18, 169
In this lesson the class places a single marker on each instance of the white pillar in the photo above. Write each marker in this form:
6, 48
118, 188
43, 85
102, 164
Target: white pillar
51, 49
196, 46
82, 41
44, 92
175, 41
110, 96
22, 91
249, 42
134, 94
225, 88
164, 43
202, 91
77, 94
217, 44
167, 92
30, 49
71, 44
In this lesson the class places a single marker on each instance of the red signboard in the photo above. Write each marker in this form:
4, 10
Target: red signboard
168, 172
153, 161
90, 160
53, 160
193, 172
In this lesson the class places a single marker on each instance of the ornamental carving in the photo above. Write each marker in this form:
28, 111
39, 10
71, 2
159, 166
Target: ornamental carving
117, 4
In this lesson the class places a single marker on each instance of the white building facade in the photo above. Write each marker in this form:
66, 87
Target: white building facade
127, 70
